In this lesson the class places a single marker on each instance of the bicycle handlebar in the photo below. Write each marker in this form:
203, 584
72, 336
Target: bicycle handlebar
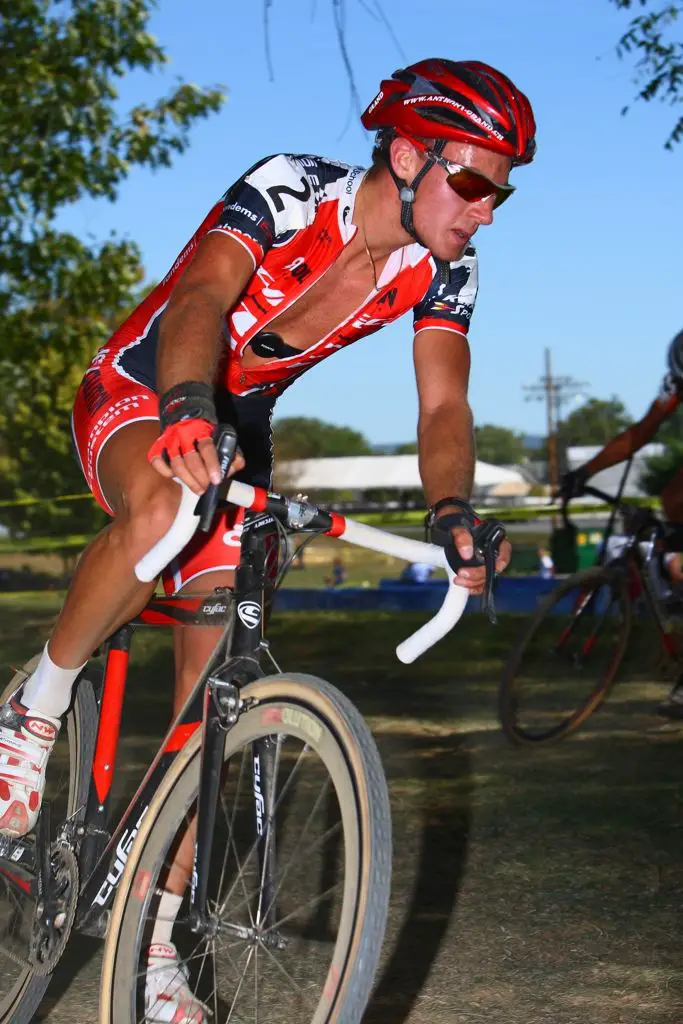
300, 514
594, 492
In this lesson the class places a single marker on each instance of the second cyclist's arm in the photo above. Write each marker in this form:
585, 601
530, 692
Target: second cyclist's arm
190, 334
634, 437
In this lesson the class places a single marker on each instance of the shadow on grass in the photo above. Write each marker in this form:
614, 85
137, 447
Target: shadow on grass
443, 829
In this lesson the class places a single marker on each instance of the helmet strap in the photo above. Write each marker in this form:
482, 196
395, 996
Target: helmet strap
406, 193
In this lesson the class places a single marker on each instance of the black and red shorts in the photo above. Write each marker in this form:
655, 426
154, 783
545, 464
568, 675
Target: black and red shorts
109, 399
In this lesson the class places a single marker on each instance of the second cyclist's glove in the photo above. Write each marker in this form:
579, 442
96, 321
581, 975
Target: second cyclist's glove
572, 484
187, 415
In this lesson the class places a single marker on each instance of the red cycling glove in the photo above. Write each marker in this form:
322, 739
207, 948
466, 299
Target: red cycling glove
187, 415
180, 439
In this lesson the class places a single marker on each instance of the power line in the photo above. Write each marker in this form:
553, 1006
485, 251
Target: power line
555, 392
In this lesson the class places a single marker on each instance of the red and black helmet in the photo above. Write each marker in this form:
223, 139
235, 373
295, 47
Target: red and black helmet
458, 101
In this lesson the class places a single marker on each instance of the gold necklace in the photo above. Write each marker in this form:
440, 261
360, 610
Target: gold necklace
372, 262
367, 250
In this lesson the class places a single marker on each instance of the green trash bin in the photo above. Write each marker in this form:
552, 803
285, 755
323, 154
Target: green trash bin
564, 549
588, 544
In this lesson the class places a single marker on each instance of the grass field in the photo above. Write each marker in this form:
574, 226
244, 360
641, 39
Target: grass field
529, 886
364, 568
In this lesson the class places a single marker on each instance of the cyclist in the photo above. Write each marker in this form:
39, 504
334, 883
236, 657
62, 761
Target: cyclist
622, 447
301, 257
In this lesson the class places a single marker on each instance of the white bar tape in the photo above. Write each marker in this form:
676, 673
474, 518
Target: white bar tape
392, 544
183, 528
240, 494
429, 634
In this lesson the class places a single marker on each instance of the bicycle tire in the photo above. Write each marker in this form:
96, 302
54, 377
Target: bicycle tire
586, 581
19, 1004
343, 729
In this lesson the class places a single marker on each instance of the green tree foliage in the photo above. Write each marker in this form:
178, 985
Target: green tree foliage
303, 437
499, 445
594, 422
65, 136
653, 36
48, 339
661, 468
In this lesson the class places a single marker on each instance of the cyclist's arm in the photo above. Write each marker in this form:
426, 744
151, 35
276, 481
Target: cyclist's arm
191, 327
445, 434
445, 426
633, 438
254, 213
442, 366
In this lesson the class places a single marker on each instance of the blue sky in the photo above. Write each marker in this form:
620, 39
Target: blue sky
585, 258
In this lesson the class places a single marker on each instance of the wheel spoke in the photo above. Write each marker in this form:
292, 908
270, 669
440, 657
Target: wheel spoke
313, 902
321, 796
285, 973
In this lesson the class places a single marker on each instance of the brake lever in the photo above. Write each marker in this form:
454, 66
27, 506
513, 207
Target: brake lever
226, 446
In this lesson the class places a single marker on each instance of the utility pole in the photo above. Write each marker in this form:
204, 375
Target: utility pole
554, 391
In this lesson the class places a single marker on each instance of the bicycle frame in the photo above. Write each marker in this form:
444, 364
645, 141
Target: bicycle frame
213, 706
637, 567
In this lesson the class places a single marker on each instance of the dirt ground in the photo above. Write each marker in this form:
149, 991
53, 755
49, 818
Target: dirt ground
529, 886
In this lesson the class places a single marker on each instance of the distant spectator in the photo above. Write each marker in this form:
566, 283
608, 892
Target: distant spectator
298, 559
546, 566
338, 577
417, 572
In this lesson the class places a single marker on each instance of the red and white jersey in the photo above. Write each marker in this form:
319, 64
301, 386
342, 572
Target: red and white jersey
293, 214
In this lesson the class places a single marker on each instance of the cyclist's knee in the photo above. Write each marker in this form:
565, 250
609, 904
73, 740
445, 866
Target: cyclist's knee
145, 517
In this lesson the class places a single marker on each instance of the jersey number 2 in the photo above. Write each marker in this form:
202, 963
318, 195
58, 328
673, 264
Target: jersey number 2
277, 190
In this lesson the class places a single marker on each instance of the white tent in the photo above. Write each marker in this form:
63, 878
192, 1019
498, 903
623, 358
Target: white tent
608, 480
399, 472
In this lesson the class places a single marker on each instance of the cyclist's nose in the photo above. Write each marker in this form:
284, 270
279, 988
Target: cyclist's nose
483, 210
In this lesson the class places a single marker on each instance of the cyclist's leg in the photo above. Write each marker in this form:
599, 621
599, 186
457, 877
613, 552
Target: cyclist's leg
103, 595
672, 503
672, 498
105, 592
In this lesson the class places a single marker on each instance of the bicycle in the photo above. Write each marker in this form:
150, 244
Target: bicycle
277, 918
566, 659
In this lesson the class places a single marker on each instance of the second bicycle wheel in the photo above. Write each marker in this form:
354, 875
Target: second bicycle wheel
299, 883
565, 661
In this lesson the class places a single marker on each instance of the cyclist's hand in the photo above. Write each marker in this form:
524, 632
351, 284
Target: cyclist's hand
185, 448
455, 525
572, 484
473, 577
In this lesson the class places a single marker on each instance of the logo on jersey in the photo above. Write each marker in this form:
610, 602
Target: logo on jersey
459, 278
351, 178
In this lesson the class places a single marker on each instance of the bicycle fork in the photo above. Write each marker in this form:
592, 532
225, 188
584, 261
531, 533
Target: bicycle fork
264, 764
221, 704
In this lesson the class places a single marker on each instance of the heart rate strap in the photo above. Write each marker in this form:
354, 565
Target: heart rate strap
270, 345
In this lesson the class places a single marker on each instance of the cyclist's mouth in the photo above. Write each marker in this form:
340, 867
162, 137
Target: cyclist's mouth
462, 236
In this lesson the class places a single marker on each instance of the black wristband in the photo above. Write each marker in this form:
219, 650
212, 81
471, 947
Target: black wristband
464, 506
190, 400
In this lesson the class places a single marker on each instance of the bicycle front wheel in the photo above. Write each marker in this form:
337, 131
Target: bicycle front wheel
299, 876
565, 661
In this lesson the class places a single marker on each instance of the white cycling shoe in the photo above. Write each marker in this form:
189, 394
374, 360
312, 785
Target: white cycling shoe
26, 742
168, 999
